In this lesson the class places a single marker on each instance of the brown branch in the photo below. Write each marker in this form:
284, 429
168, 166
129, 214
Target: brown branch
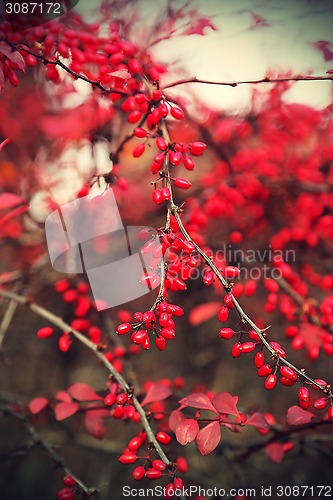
278, 434
57, 62
39, 441
65, 327
267, 79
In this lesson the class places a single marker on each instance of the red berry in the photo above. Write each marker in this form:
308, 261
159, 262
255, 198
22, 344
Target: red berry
153, 474
304, 397
168, 333
160, 343
208, 278
188, 162
127, 458
236, 350
166, 195
259, 359
123, 328
182, 465
228, 301
161, 144
140, 132
177, 113
223, 314
134, 443
45, 332
175, 158
265, 370
248, 347
288, 373
157, 196
64, 342
287, 382
109, 399
231, 272
278, 349
138, 473
182, 183
226, 333
270, 381
118, 413
158, 465
65, 494
197, 148
138, 150
121, 399
61, 285
69, 481
320, 403
163, 437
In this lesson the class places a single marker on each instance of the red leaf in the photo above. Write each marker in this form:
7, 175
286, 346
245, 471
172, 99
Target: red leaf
198, 400
175, 419
65, 410
94, 422
157, 392
63, 396
330, 71
121, 73
198, 27
9, 200
208, 438
298, 416
203, 312
324, 47
16, 57
275, 452
225, 403
36, 405
257, 420
258, 21
83, 392
186, 431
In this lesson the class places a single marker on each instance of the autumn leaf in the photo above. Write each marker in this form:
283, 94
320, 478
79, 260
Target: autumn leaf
65, 410
258, 420
225, 403
157, 392
198, 400
298, 416
83, 392
208, 438
36, 405
186, 430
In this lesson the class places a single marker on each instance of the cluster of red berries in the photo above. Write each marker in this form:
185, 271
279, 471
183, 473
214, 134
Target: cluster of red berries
158, 322
152, 468
70, 491
122, 405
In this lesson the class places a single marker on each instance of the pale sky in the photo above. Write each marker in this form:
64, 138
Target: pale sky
235, 52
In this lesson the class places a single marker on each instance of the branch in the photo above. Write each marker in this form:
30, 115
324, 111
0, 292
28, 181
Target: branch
267, 79
62, 325
57, 62
38, 440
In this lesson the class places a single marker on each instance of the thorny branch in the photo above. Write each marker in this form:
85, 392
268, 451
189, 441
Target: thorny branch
62, 325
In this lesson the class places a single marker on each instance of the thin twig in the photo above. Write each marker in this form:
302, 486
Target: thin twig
65, 327
38, 440
267, 79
